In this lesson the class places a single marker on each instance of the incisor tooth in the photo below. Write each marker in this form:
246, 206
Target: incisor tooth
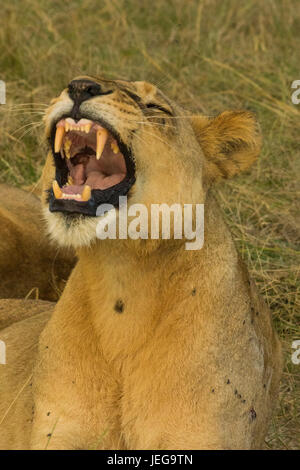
102, 135
87, 128
60, 131
86, 193
67, 126
56, 189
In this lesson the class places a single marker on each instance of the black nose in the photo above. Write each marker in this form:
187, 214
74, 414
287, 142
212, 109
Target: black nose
81, 90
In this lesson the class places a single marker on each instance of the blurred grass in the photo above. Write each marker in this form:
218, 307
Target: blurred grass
209, 56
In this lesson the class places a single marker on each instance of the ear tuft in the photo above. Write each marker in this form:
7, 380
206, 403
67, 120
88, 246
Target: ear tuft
231, 143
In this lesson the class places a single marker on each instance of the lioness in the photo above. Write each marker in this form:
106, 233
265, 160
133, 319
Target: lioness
151, 346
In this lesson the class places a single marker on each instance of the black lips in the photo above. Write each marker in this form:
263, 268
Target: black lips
98, 197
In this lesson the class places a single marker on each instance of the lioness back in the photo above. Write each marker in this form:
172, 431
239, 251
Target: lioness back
29, 263
24, 321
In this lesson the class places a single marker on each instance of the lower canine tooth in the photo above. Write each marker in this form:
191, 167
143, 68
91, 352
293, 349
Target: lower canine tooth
102, 135
56, 189
86, 193
60, 131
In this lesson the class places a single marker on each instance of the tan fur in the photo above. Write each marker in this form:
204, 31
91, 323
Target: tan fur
230, 142
29, 263
151, 346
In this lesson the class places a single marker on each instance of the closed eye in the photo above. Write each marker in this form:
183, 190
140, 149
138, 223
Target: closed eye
139, 102
160, 108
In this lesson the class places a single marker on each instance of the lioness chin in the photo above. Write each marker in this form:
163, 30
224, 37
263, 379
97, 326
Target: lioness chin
151, 346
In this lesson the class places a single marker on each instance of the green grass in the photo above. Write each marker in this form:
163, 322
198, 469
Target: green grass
209, 56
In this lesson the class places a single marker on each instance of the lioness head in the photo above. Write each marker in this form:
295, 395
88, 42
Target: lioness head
111, 138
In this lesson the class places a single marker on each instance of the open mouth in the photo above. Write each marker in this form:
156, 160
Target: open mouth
93, 166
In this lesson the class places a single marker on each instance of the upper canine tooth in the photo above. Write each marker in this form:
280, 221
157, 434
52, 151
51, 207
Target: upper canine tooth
102, 135
56, 189
60, 131
114, 146
86, 193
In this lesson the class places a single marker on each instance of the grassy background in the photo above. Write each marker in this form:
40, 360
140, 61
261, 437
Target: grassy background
210, 56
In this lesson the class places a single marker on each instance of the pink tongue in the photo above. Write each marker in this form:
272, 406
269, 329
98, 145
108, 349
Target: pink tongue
95, 179
74, 189
78, 174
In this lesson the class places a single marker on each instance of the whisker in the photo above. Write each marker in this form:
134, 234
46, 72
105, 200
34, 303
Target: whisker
140, 138
42, 113
12, 106
26, 125
28, 104
159, 138
35, 126
158, 124
149, 123
145, 143
18, 109
172, 117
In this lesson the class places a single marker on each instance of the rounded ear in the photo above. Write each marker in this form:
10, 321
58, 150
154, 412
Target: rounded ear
231, 142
